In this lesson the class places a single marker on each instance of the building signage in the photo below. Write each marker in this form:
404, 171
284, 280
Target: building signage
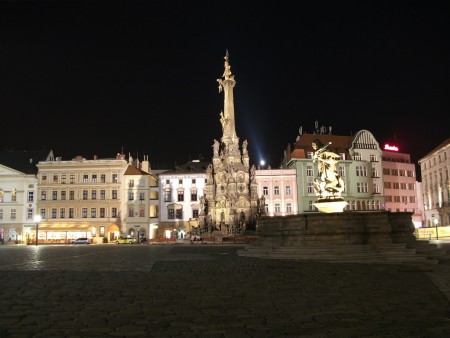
389, 147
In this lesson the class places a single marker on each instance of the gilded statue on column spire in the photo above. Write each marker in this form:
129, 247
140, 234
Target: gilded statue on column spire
226, 73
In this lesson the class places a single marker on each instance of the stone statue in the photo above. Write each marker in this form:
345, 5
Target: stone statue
328, 184
244, 147
216, 147
252, 172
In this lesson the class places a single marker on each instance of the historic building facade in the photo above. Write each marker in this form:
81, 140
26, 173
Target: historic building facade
435, 167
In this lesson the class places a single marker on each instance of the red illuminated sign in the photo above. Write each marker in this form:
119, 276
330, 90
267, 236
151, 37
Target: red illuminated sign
388, 147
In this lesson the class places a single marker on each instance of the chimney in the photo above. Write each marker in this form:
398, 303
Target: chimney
95, 158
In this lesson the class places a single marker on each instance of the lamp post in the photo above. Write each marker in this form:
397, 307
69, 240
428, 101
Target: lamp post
37, 219
436, 225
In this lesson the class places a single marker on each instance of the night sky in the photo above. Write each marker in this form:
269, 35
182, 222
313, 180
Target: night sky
98, 77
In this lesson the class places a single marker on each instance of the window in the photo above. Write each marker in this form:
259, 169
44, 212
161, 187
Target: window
405, 199
194, 195
113, 212
44, 178
72, 178
141, 211
102, 178
310, 187
1, 213
114, 178
288, 190
374, 172
376, 189
412, 199
85, 194
62, 213
71, 212
403, 186
14, 195
114, 194
30, 212
179, 213
288, 207
130, 211
373, 158
357, 157
63, 179
361, 171
102, 231
180, 195
276, 190
71, 195
194, 213
180, 181
397, 199
30, 196
54, 195
362, 187
85, 179
396, 185
265, 191
102, 212
94, 178
93, 212
54, 211
387, 185
277, 208
142, 183
171, 213
43, 195
84, 213
94, 194
142, 196
311, 206
341, 171
63, 195
102, 194
309, 170
131, 196
130, 183
386, 171
193, 181
309, 154
167, 195
55, 178
43, 213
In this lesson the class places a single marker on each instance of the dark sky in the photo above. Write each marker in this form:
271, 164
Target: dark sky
96, 77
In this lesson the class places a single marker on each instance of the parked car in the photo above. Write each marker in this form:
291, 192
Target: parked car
81, 240
125, 240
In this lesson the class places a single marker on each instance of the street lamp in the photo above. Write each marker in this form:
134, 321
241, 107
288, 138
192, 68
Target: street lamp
37, 219
436, 225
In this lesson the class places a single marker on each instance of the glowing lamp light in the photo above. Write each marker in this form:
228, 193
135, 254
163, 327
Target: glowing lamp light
389, 147
262, 162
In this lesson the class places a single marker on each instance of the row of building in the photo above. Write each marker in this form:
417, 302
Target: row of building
50, 200
107, 198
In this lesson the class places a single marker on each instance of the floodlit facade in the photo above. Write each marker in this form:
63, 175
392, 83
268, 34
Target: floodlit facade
360, 168
81, 198
435, 168
180, 193
401, 189
279, 189
18, 193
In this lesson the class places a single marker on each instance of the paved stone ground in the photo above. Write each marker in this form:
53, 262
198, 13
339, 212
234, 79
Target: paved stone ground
210, 291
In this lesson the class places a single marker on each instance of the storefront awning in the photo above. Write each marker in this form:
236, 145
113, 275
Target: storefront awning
56, 227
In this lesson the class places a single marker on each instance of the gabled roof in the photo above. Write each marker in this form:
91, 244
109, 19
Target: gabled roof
25, 161
304, 144
132, 170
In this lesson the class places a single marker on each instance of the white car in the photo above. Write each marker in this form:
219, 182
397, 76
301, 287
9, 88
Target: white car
81, 240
